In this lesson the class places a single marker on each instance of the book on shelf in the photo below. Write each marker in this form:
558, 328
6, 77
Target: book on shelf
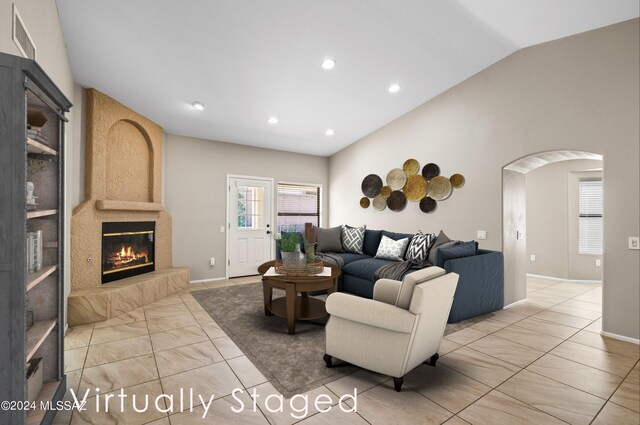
37, 136
34, 251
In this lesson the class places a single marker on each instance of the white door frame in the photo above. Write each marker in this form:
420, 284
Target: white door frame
228, 214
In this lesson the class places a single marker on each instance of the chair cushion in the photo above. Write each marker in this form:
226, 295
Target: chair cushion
440, 240
365, 269
352, 239
411, 280
350, 257
419, 247
371, 242
460, 250
328, 240
392, 250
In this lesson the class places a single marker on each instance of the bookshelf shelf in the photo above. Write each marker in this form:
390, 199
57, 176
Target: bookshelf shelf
39, 148
34, 279
37, 334
41, 213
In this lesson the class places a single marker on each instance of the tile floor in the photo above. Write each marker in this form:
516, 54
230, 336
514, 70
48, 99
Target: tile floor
539, 362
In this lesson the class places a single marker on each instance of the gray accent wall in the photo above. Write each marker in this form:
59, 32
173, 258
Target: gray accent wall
576, 93
195, 193
552, 221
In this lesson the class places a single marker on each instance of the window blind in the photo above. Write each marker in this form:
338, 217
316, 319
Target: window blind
297, 205
590, 219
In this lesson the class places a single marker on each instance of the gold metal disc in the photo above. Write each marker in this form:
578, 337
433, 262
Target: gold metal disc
416, 188
364, 202
396, 179
379, 203
439, 188
385, 191
457, 181
411, 167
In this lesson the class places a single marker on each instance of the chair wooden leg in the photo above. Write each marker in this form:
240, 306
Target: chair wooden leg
397, 383
327, 360
432, 361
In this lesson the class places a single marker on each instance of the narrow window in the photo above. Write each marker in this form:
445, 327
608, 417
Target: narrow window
590, 220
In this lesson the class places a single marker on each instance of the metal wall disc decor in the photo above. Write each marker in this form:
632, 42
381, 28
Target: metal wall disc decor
416, 188
428, 205
457, 181
439, 188
385, 192
371, 185
379, 203
396, 179
397, 201
411, 167
430, 171
364, 202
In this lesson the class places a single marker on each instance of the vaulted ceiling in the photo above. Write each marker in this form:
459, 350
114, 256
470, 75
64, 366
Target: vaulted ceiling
250, 60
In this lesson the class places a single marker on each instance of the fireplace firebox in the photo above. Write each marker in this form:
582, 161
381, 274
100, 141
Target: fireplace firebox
127, 249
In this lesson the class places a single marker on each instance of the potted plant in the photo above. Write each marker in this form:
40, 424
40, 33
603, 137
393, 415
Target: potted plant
289, 244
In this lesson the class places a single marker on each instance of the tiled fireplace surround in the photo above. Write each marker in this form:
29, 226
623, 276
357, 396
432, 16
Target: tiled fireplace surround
123, 167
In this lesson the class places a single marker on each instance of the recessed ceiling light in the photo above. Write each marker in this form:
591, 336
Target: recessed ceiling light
198, 105
394, 88
329, 132
328, 64
273, 120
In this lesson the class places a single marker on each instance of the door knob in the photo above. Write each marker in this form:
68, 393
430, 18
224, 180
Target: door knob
268, 232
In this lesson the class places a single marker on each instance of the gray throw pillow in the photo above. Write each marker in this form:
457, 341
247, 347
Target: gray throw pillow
328, 240
441, 239
352, 239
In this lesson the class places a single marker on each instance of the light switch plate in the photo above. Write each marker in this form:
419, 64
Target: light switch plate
634, 242
221, 229
519, 235
482, 235
212, 261
598, 263
533, 257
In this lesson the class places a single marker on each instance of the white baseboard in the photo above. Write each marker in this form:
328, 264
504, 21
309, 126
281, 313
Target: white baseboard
514, 304
208, 280
563, 279
620, 337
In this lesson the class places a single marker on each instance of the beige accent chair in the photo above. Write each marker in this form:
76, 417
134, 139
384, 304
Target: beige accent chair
397, 330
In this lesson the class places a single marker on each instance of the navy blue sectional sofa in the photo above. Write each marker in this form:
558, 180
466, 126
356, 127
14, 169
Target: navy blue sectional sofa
480, 286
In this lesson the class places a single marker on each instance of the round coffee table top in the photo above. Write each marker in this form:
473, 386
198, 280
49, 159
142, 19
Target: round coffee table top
335, 272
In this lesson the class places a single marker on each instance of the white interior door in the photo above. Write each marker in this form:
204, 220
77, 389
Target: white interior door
250, 213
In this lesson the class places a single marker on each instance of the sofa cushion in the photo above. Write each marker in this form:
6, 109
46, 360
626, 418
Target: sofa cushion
352, 239
418, 249
392, 250
328, 240
350, 257
440, 240
365, 269
397, 236
460, 250
371, 242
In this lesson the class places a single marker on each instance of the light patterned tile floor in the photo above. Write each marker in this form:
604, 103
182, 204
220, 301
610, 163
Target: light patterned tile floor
541, 361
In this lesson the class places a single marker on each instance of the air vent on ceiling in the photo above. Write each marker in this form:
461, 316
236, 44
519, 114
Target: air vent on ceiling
21, 36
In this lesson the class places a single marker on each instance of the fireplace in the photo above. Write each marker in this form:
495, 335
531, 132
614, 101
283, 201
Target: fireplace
127, 249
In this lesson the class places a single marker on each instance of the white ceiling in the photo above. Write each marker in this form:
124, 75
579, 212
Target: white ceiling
248, 60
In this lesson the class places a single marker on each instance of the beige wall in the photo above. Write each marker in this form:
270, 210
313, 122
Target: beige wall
579, 92
195, 185
552, 221
42, 21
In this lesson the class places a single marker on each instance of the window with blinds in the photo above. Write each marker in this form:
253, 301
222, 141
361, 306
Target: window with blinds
297, 205
590, 220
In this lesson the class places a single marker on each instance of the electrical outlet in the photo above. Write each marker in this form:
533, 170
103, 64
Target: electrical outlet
212, 261
634, 242
482, 235
533, 257
221, 229
598, 262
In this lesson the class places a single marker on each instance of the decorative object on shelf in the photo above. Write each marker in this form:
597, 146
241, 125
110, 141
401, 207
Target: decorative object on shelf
457, 181
439, 188
36, 119
34, 251
411, 167
428, 205
31, 200
310, 241
34, 379
385, 192
396, 179
365, 202
397, 201
371, 185
416, 188
379, 203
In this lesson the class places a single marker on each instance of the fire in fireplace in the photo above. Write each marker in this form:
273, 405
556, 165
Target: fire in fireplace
127, 249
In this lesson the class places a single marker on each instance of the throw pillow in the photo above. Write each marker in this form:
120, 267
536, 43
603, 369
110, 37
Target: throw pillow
392, 250
419, 246
328, 240
397, 236
460, 250
441, 239
371, 242
352, 239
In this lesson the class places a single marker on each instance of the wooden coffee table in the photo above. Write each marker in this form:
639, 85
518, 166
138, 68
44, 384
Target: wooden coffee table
293, 306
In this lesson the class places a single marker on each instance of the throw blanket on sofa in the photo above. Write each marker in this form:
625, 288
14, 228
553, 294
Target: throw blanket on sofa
397, 271
333, 259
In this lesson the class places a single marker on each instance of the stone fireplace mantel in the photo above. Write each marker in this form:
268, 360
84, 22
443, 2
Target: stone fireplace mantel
109, 205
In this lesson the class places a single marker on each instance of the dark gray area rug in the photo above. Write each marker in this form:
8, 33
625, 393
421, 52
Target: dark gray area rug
292, 363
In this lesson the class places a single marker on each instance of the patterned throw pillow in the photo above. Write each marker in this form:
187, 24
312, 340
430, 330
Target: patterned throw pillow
352, 239
392, 250
419, 246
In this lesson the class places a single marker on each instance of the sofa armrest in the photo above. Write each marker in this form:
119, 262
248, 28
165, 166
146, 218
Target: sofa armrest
370, 312
386, 291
